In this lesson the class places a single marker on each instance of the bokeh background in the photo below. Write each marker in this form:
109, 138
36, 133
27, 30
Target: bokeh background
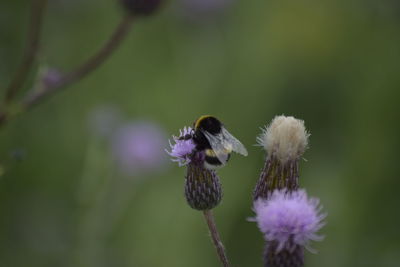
84, 177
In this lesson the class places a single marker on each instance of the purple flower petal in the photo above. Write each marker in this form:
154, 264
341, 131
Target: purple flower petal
289, 218
182, 149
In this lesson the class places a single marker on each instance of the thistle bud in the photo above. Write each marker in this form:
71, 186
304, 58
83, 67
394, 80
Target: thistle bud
289, 221
284, 141
284, 258
203, 189
141, 7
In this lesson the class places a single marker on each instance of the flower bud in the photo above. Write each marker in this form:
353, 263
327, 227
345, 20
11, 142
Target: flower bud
203, 189
283, 258
284, 141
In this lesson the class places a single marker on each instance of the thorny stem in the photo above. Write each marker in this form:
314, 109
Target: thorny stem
35, 26
36, 96
208, 215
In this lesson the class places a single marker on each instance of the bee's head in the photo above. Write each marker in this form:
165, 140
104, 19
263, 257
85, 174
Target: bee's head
208, 123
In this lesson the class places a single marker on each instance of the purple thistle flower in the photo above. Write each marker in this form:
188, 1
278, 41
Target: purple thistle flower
182, 150
289, 219
203, 189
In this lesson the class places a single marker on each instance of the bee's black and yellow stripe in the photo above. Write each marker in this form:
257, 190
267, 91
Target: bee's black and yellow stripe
213, 126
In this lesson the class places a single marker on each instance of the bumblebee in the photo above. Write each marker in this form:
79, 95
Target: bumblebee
210, 136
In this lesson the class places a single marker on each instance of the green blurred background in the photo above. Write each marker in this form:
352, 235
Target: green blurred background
333, 63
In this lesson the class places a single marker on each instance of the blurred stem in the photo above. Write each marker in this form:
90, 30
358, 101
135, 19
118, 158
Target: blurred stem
36, 96
208, 215
84, 69
35, 26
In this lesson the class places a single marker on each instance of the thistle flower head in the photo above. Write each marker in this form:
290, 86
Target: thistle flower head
203, 190
183, 147
286, 138
290, 219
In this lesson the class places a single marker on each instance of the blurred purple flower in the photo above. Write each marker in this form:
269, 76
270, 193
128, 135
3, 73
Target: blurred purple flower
182, 149
289, 218
104, 120
138, 148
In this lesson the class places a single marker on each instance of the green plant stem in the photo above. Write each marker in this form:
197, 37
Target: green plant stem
208, 215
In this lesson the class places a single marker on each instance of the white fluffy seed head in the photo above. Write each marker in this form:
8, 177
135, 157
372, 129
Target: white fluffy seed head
285, 137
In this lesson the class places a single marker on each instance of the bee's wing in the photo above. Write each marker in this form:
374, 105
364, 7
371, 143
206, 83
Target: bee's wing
218, 146
224, 143
230, 140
